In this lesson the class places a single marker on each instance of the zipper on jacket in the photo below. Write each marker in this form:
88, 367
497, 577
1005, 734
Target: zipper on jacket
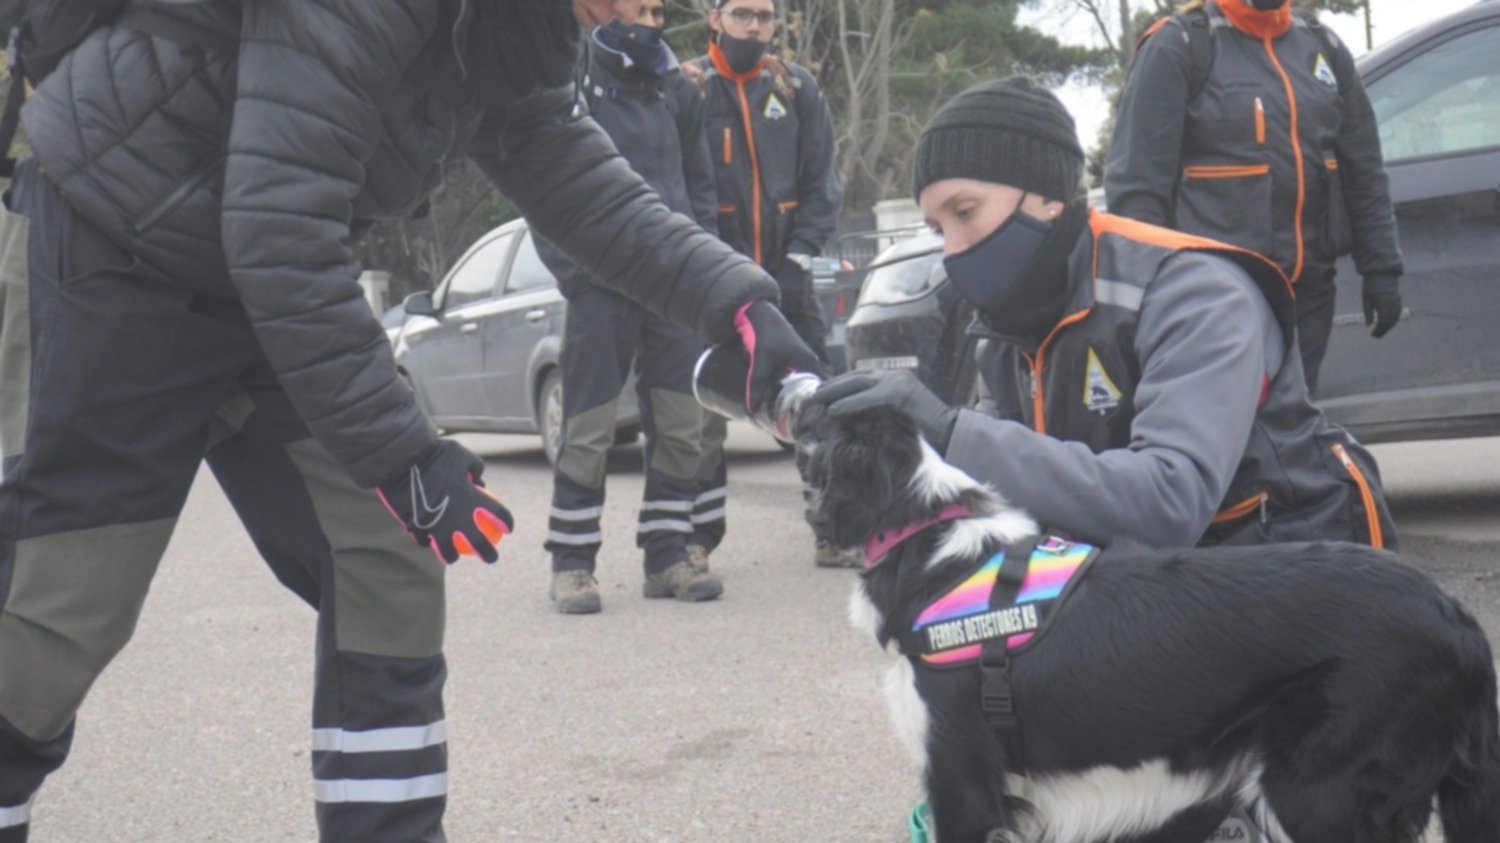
1038, 393
1225, 171
754, 170
173, 200
1372, 516
1243, 508
1291, 101
728, 147
1260, 121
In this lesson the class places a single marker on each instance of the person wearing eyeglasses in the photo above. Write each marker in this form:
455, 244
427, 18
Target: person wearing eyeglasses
770, 134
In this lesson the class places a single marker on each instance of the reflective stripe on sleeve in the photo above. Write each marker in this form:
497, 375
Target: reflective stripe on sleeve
1118, 294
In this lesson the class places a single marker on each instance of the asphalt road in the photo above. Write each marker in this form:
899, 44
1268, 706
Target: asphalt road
758, 717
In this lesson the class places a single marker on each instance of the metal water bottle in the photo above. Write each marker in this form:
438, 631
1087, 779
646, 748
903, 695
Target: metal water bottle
719, 385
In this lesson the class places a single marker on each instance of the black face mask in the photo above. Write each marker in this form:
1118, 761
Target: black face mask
743, 54
1267, 5
988, 274
643, 44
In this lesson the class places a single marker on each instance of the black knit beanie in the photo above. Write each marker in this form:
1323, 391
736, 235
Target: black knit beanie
1009, 131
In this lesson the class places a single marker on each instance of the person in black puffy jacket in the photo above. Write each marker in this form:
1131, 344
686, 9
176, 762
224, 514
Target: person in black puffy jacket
191, 293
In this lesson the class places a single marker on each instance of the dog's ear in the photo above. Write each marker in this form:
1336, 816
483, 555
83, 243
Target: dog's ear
859, 470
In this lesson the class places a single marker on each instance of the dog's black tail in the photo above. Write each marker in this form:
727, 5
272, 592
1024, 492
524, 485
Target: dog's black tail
1469, 795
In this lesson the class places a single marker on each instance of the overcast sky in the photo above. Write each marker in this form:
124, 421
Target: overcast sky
1089, 107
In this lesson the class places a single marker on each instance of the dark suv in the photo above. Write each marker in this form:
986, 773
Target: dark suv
1436, 95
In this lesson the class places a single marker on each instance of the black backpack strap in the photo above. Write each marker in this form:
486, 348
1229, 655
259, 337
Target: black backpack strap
996, 700
1315, 26
1201, 48
1200, 37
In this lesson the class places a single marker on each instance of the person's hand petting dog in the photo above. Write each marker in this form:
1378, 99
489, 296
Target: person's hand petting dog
444, 505
857, 392
774, 350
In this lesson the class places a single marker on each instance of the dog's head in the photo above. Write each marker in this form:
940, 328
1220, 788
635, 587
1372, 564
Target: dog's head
871, 472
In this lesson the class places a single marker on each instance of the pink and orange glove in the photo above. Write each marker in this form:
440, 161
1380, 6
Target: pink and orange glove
774, 350
443, 504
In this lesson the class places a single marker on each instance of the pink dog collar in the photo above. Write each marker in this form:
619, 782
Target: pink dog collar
883, 542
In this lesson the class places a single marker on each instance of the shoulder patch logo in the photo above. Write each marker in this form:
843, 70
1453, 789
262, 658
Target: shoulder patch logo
1324, 73
1100, 395
774, 109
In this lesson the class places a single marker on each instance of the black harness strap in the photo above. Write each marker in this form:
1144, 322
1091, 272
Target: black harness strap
995, 697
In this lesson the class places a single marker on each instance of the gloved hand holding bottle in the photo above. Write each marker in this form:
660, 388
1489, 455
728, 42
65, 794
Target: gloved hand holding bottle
774, 350
444, 505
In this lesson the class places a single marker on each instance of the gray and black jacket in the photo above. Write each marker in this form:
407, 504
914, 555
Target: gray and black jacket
770, 135
247, 176
1167, 406
656, 123
1226, 162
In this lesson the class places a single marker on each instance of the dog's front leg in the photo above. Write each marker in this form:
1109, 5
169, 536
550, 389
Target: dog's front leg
966, 785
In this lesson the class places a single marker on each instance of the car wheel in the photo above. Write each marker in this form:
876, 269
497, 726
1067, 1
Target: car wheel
549, 415
626, 435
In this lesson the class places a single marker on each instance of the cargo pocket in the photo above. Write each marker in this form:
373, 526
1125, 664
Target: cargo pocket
1338, 232
15, 333
1228, 202
1369, 519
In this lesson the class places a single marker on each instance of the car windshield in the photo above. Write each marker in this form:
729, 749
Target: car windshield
1444, 101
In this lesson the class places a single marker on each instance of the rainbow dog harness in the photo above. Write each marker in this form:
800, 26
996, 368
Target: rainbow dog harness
953, 629
995, 613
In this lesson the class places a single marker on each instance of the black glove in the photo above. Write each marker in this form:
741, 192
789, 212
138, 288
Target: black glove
444, 506
1382, 303
774, 350
859, 391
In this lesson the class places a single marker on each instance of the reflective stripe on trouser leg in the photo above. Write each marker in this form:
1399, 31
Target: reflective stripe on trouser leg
380, 752
713, 484
599, 342
672, 421
573, 526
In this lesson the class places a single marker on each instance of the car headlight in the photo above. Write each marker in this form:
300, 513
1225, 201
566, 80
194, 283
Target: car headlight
905, 279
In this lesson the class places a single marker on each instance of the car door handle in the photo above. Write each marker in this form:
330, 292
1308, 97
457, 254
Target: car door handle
470, 327
535, 315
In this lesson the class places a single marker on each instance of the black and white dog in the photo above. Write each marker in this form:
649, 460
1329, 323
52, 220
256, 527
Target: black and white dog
1330, 685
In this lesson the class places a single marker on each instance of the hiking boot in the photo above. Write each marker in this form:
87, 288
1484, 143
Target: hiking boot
574, 592
828, 556
683, 582
698, 557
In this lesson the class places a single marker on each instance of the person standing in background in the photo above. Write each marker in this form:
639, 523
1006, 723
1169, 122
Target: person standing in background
770, 135
1246, 121
635, 90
